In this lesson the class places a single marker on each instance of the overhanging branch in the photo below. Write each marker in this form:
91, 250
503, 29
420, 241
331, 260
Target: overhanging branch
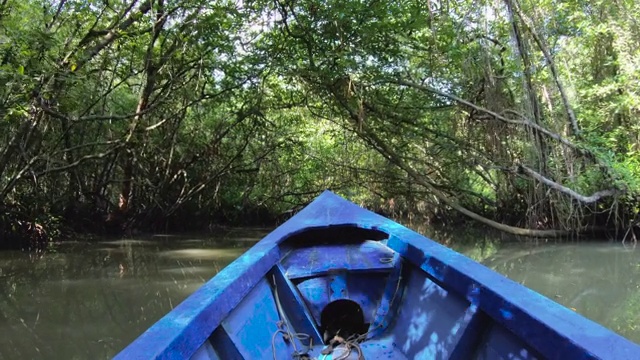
385, 150
565, 190
494, 114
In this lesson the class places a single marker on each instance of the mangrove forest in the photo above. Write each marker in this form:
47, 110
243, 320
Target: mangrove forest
161, 115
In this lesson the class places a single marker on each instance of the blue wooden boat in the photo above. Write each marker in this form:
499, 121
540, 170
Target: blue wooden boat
340, 282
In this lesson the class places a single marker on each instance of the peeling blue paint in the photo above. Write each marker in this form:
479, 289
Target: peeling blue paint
422, 300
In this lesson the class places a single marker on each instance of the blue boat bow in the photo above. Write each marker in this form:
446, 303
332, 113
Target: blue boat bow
337, 281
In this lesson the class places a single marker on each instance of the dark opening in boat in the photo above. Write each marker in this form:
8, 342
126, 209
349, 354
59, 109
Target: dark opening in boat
342, 318
331, 234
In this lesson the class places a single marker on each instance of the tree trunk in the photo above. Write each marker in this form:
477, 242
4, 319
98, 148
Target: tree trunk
134, 136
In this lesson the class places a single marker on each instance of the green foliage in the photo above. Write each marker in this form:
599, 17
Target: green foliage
236, 111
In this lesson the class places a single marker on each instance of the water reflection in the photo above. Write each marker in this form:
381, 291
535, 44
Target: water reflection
89, 300
600, 281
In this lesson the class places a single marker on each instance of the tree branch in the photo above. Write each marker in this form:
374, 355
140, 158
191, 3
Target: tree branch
565, 190
387, 152
525, 122
78, 162
552, 66
57, 115
112, 35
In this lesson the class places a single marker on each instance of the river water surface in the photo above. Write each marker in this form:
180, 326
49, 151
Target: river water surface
88, 300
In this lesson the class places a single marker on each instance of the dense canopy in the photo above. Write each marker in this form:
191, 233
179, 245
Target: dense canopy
173, 115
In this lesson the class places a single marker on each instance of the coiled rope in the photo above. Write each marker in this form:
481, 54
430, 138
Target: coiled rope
287, 335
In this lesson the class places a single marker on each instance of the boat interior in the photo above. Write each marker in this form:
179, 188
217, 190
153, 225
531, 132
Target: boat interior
346, 293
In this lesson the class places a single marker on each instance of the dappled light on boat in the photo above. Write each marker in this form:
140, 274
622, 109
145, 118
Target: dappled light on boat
89, 300
337, 280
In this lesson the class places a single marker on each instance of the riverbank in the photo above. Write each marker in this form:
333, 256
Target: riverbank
34, 233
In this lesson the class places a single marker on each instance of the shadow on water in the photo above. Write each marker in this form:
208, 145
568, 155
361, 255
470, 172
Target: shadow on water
89, 300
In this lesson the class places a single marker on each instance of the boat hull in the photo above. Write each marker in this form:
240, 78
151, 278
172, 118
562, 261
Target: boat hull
339, 282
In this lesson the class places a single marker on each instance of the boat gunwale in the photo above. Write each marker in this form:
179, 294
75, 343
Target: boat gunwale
184, 329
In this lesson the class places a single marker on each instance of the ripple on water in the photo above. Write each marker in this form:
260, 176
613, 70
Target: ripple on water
190, 270
128, 242
203, 254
